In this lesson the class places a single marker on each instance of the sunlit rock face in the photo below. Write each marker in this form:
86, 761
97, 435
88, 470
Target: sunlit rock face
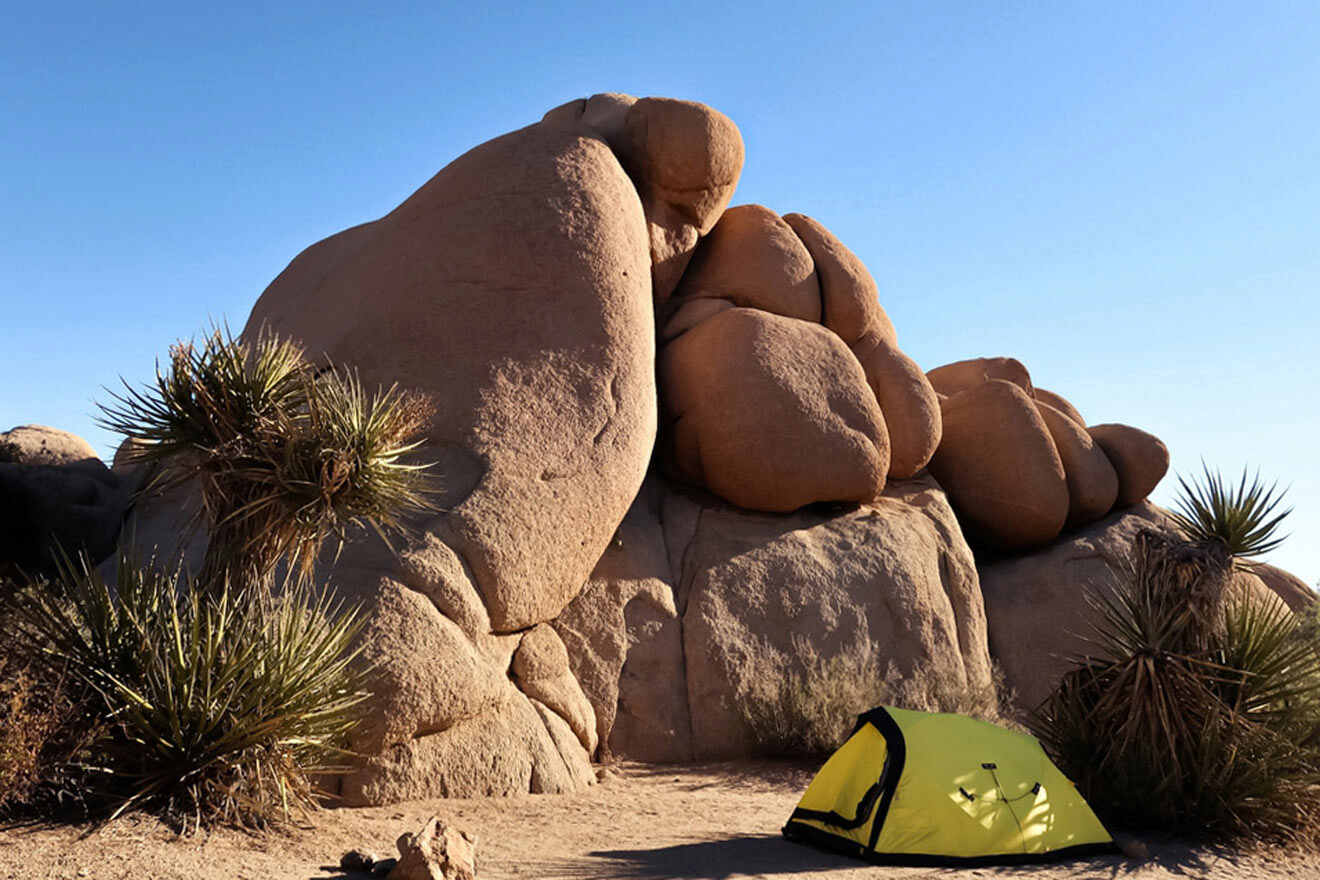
669, 435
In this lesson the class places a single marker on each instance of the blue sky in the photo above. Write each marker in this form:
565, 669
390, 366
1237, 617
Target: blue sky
1123, 195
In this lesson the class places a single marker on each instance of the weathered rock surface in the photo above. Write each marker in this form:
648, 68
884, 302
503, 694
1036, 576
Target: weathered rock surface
438, 851
55, 496
1036, 605
850, 300
759, 591
907, 401
541, 670
1294, 591
624, 640
1000, 466
771, 413
753, 259
756, 263
1060, 403
1092, 482
1104, 466
951, 379
1140, 459
514, 287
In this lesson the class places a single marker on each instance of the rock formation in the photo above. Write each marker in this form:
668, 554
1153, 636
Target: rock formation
1019, 462
682, 454
774, 343
56, 496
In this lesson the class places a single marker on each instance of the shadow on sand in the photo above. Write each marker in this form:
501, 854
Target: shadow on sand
769, 855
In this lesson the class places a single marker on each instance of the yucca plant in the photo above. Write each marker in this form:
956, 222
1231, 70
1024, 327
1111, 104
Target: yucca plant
1242, 518
286, 455
1187, 712
217, 704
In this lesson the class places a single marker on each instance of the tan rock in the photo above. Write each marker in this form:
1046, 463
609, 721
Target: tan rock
39, 444
502, 752
541, 670
910, 407
754, 259
515, 288
428, 673
850, 301
438, 851
689, 314
56, 497
1059, 403
764, 593
1000, 466
684, 158
624, 643
962, 375
771, 413
1294, 591
1092, 482
1141, 460
1248, 586
1036, 606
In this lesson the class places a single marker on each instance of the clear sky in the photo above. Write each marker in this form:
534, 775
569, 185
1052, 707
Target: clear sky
1124, 195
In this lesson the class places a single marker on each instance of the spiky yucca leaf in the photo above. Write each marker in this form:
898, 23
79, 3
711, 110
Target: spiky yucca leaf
222, 705
1243, 518
286, 456
1171, 723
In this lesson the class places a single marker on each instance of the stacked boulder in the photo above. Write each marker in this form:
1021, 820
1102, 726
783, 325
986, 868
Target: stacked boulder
575, 296
1020, 463
780, 375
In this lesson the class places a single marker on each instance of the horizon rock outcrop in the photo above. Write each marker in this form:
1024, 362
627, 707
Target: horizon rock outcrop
56, 496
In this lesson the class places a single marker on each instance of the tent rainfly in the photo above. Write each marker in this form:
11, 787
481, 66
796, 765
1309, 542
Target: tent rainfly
921, 788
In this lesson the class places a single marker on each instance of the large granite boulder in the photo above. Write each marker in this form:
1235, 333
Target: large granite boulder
516, 289
56, 496
1294, 591
721, 601
771, 413
1000, 466
1140, 459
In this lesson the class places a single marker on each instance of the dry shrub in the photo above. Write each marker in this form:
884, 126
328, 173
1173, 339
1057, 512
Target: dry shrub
811, 713
44, 734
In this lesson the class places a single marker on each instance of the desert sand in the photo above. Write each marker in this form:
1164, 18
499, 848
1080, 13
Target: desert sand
695, 822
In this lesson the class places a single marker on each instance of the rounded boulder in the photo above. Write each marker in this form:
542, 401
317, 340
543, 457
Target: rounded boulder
771, 413
1092, 482
1141, 460
1000, 467
754, 259
911, 409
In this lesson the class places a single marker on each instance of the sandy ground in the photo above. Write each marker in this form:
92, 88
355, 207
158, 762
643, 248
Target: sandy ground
711, 821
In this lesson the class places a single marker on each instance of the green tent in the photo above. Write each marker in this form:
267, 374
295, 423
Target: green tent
921, 788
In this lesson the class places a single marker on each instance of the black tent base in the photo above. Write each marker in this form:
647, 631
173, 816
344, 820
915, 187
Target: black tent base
806, 834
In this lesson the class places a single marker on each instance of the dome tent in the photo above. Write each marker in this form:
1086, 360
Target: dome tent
923, 788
